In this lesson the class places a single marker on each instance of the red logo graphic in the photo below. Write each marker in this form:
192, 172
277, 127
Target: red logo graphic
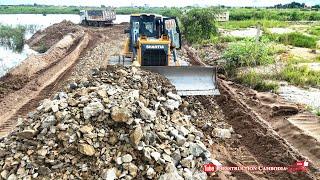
209, 167
299, 166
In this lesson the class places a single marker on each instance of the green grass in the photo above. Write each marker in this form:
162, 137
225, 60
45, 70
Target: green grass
252, 23
29, 9
49, 9
239, 14
248, 53
295, 39
297, 59
42, 48
12, 37
299, 75
314, 30
318, 112
257, 81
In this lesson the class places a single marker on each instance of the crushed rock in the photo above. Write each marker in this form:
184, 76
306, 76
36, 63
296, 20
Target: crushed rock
84, 136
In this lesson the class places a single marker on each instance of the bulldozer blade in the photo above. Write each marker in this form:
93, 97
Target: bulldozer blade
189, 80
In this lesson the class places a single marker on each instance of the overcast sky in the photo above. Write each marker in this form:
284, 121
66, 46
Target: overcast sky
158, 2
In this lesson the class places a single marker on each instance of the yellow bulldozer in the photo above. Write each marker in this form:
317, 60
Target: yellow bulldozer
152, 43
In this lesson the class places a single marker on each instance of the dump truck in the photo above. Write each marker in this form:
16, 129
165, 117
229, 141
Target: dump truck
152, 44
96, 17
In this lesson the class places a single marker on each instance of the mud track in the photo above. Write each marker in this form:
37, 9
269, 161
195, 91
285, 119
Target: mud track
260, 139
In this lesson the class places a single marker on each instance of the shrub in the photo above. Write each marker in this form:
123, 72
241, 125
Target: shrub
318, 112
247, 53
12, 37
198, 24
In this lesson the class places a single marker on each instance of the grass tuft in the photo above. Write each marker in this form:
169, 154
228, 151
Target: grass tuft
12, 37
295, 39
257, 81
300, 75
248, 53
252, 23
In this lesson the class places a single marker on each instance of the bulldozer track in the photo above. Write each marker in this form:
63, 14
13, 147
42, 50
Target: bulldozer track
307, 122
260, 139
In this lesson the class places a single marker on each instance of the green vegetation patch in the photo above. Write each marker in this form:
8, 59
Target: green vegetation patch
299, 75
198, 24
257, 81
38, 9
12, 37
314, 30
251, 23
239, 14
295, 39
248, 53
318, 112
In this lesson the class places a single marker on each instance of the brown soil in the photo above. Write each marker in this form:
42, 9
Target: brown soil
261, 140
9, 83
297, 126
51, 35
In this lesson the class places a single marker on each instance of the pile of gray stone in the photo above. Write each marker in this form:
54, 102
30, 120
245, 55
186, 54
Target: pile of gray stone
122, 123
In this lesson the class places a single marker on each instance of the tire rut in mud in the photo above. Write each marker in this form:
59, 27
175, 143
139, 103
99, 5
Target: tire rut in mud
260, 139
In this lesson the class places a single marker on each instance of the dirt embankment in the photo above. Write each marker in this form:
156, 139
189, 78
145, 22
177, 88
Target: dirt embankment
43, 40
56, 49
296, 125
41, 75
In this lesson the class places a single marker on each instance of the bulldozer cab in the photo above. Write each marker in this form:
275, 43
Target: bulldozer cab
153, 27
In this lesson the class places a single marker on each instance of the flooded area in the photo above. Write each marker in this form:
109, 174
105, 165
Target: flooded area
9, 58
33, 23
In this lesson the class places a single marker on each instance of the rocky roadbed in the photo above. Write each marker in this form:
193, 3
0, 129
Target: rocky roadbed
122, 123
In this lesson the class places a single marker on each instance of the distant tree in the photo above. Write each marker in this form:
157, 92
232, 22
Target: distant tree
35, 4
198, 24
291, 5
316, 6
